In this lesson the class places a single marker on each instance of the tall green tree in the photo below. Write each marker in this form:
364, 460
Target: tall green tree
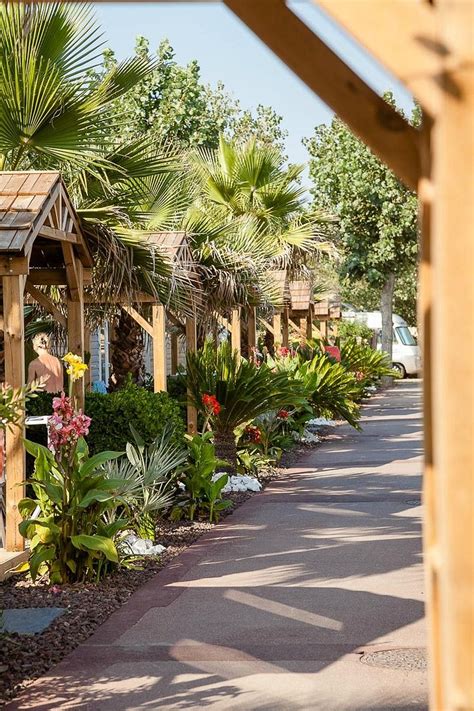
377, 213
177, 106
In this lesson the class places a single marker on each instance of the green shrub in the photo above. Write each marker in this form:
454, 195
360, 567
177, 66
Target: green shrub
112, 414
348, 330
148, 412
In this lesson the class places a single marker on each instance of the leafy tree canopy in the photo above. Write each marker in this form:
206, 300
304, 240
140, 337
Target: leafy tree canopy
377, 213
178, 107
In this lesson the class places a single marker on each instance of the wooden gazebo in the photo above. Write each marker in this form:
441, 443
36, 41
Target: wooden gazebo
41, 243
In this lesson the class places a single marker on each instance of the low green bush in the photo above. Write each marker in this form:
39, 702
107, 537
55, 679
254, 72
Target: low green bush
148, 412
112, 414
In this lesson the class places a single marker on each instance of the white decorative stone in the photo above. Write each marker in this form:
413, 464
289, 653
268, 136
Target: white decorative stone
321, 422
134, 545
238, 483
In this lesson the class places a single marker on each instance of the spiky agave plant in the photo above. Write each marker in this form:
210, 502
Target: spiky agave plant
243, 392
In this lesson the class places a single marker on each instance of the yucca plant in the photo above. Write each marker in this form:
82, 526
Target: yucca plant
243, 391
148, 478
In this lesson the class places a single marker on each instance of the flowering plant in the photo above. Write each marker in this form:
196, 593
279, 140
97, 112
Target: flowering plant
73, 537
253, 434
211, 404
65, 426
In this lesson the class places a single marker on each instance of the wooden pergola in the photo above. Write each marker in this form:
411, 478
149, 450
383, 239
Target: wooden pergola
428, 45
41, 243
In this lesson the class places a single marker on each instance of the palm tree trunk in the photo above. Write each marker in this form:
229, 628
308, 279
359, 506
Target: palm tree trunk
226, 449
127, 352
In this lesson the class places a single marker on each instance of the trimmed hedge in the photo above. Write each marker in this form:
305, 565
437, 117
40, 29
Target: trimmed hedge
112, 414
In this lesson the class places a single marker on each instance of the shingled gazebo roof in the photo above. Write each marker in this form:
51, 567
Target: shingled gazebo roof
39, 228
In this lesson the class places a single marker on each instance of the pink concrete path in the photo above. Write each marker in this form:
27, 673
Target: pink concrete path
272, 610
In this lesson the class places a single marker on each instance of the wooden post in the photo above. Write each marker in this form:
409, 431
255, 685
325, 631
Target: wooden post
251, 328
87, 350
285, 334
75, 327
174, 353
323, 329
277, 329
235, 330
191, 339
13, 287
309, 322
452, 382
159, 347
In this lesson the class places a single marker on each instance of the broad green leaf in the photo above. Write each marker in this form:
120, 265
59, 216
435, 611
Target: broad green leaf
96, 543
97, 460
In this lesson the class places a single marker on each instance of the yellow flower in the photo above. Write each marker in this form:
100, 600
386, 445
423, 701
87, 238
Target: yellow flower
76, 366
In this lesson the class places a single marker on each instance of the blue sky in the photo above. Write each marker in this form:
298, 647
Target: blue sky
227, 50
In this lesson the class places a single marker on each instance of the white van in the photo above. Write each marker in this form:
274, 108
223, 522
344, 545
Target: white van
405, 351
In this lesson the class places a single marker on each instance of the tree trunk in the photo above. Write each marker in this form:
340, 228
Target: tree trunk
386, 308
226, 449
127, 352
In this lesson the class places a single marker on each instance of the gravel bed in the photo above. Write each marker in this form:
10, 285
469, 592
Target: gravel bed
24, 658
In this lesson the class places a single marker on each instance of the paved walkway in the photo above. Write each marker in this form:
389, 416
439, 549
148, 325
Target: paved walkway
271, 610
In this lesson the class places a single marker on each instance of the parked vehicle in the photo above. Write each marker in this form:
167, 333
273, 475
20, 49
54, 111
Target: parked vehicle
406, 356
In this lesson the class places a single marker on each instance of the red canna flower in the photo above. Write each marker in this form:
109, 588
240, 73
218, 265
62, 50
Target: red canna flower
211, 404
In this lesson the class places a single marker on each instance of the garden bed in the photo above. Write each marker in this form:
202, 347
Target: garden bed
26, 657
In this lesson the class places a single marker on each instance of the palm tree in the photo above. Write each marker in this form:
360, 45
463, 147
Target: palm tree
248, 220
56, 113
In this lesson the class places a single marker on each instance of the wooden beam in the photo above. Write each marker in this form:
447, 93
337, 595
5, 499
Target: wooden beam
175, 321
159, 347
13, 287
191, 342
301, 331
57, 235
251, 328
235, 330
413, 53
309, 322
174, 353
75, 327
10, 265
87, 354
55, 277
46, 303
72, 264
285, 331
277, 328
139, 319
453, 399
267, 326
366, 113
